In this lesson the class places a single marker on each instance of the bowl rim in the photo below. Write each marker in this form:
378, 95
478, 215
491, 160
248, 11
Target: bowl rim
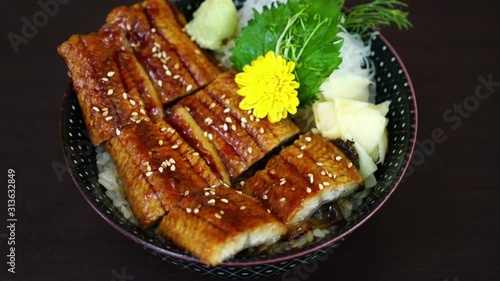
184, 257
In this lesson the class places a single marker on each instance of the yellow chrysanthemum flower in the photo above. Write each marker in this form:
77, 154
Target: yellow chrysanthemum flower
269, 87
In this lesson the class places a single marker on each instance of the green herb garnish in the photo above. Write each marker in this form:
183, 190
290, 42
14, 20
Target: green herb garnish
365, 18
304, 32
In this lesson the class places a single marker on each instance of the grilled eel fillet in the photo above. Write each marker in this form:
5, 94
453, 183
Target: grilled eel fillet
304, 176
132, 58
157, 167
217, 226
162, 175
212, 120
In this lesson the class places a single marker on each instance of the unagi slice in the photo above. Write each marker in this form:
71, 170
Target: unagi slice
187, 127
218, 224
133, 74
304, 176
267, 135
230, 153
146, 151
170, 78
163, 18
230, 129
106, 105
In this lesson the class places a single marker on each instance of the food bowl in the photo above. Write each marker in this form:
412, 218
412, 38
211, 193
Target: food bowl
393, 83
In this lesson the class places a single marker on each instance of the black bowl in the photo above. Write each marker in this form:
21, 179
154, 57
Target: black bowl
393, 83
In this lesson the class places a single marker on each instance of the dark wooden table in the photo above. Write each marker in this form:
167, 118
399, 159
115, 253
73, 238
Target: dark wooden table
441, 223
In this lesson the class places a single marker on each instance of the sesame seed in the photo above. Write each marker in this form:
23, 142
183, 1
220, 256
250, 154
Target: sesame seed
208, 120
210, 136
132, 102
128, 27
257, 119
227, 110
175, 146
218, 216
239, 192
308, 139
264, 197
176, 66
320, 186
300, 156
105, 109
207, 193
196, 210
189, 87
134, 114
228, 119
171, 160
160, 83
157, 44
224, 200
205, 134
309, 190
233, 127
212, 105
323, 173
349, 165
153, 30
125, 96
250, 150
242, 183
303, 147
196, 154
172, 168
261, 130
197, 51
148, 168
243, 120
282, 199
142, 110
110, 92
224, 127
252, 118
211, 201
269, 211
319, 164
186, 193
104, 79
95, 108
188, 210
160, 142
168, 72
176, 76
154, 49
109, 118
160, 169
282, 181
118, 132
335, 176
148, 174
338, 158
110, 74
330, 175
243, 207
164, 54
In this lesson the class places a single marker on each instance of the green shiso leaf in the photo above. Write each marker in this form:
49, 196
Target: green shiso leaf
304, 32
